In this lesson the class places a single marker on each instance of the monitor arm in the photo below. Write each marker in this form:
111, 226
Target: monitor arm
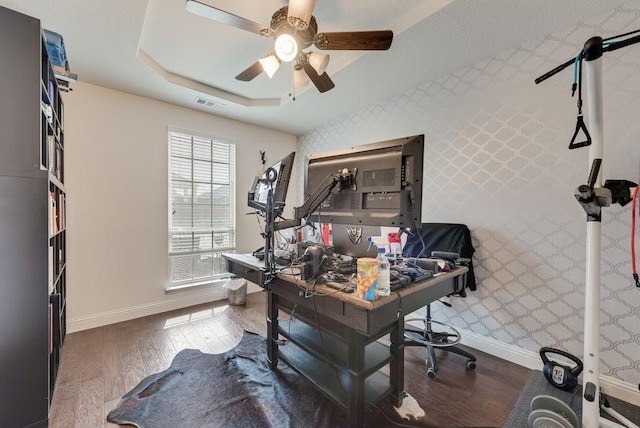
343, 178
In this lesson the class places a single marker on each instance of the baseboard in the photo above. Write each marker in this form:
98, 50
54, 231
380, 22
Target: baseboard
609, 385
132, 312
531, 360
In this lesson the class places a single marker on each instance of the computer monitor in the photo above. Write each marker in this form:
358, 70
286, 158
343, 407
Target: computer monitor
387, 187
260, 189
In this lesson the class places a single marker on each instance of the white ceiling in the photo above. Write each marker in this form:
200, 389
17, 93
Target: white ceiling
154, 48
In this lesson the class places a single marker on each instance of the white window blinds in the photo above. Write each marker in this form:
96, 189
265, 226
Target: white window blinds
201, 207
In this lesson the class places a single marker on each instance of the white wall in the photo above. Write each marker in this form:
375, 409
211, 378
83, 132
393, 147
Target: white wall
116, 177
496, 158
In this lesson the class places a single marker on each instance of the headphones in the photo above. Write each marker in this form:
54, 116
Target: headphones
558, 375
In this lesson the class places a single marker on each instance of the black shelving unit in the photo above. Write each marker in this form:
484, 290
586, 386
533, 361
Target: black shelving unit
324, 361
32, 224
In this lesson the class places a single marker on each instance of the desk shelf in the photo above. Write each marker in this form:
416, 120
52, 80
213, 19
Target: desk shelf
377, 355
325, 377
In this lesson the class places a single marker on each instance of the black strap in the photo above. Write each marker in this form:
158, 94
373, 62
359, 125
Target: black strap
580, 125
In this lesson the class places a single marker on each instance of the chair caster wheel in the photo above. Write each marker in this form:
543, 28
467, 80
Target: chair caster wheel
471, 365
431, 373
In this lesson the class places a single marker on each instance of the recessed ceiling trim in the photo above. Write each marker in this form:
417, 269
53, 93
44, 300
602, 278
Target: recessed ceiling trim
186, 82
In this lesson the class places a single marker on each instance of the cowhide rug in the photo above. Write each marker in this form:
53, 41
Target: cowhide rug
234, 389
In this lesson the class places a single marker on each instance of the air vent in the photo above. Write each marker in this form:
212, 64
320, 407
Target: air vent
210, 103
379, 177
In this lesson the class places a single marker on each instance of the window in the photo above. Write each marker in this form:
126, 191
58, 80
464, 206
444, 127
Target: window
201, 207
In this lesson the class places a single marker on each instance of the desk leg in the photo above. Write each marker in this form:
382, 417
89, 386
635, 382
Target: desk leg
355, 388
272, 331
396, 369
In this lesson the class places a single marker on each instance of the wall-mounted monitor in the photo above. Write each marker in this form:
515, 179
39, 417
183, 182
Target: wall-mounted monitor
386, 189
260, 189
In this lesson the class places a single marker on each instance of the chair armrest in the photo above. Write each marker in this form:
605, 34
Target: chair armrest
464, 261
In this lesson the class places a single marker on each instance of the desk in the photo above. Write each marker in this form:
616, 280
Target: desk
331, 337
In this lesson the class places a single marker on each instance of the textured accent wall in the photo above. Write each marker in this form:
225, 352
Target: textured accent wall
496, 159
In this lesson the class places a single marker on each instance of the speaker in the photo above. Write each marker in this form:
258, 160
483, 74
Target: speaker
558, 375
313, 258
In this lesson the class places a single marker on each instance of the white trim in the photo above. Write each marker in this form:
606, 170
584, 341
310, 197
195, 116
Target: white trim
531, 360
611, 386
201, 134
511, 353
126, 314
186, 82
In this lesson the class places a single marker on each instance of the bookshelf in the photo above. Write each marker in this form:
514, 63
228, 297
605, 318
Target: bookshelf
32, 223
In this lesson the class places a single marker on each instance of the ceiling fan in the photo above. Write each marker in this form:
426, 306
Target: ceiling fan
294, 29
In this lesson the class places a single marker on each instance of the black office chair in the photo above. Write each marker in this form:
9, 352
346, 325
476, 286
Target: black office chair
452, 242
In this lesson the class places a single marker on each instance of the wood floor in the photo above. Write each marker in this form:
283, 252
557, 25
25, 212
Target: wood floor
100, 365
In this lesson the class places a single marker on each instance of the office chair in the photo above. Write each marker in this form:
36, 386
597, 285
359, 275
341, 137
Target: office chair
449, 241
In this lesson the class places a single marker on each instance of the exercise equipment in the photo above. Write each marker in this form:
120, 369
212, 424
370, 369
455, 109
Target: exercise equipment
559, 375
593, 197
550, 412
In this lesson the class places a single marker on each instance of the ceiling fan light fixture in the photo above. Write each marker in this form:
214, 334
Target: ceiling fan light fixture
295, 29
300, 78
286, 47
319, 61
270, 64
299, 13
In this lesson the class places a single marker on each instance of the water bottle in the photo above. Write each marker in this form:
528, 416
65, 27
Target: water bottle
384, 274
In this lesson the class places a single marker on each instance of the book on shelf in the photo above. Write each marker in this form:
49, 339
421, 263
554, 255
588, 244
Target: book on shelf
56, 301
52, 272
47, 110
50, 91
50, 328
54, 214
57, 170
63, 74
51, 150
61, 209
61, 114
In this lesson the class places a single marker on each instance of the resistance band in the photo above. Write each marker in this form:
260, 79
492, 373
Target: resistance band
634, 267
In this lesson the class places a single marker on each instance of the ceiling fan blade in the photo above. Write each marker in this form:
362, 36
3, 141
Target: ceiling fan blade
250, 72
323, 82
217, 15
299, 13
355, 40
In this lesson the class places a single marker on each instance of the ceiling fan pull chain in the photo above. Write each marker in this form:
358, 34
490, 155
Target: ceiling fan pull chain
292, 86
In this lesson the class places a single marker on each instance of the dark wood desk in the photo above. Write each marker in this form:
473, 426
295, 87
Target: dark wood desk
330, 337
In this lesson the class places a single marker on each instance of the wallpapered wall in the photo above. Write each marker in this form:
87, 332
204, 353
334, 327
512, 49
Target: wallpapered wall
496, 159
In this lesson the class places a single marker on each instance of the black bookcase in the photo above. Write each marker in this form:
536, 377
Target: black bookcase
32, 224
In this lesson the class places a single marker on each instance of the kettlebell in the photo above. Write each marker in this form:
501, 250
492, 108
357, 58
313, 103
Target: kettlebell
559, 375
